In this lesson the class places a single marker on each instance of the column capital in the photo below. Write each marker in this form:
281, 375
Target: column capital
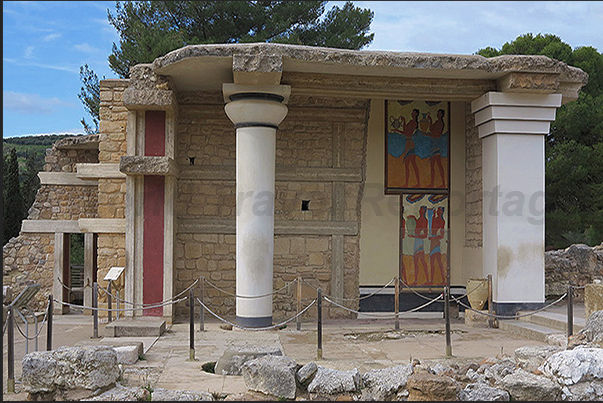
256, 105
514, 113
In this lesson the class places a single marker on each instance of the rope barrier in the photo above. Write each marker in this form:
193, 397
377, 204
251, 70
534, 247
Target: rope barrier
247, 296
69, 288
255, 328
353, 299
134, 304
39, 330
515, 316
159, 305
455, 299
392, 313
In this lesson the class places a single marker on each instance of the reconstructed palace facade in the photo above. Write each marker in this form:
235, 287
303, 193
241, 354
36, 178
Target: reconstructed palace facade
252, 165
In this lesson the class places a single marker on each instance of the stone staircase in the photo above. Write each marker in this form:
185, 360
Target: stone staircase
540, 325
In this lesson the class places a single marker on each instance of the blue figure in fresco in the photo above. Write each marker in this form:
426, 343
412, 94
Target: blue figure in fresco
436, 132
408, 130
436, 234
420, 234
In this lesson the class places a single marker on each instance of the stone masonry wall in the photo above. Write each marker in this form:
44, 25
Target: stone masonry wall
305, 139
29, 258
111, 192
473, 184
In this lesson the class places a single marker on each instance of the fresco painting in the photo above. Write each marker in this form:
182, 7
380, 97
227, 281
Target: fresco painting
424, 228
417, 145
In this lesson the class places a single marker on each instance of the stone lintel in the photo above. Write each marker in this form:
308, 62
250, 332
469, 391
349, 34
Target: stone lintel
98, 171
534, 83
150, 99
257, 69
102, 225
569, 91
344, 86
148, 165
50, 226
64, 179
281, 227
283, 173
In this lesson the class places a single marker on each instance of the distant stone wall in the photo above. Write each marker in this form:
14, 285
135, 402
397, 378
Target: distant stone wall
318, 133
579, 264
473, 182
29, 258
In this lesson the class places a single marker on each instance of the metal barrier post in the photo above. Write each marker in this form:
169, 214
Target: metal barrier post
95, 310
117, 303
191, 307
570, 310
202, 313
319, 324
490, 318
397, 302
109, 313
49, 325
447, 315
10, 383
299, 302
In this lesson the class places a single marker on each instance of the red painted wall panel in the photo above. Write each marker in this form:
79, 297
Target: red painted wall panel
152, 260
154, 133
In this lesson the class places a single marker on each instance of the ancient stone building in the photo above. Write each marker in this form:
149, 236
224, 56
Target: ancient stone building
252, 165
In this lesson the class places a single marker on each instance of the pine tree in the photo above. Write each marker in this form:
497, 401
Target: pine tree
150, 29
31, 181
13, 201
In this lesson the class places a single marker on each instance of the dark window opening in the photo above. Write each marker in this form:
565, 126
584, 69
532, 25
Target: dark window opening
191, 160
305, 206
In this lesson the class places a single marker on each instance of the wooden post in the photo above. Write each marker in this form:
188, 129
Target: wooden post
490, 310
299, 302
95, 310
319, 324
191, 315
397, 302
570, 310
202, 312
10, 383
447, 315
109, 313
49, 325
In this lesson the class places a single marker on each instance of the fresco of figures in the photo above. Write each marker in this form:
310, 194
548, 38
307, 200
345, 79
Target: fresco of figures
424, 239
417, 143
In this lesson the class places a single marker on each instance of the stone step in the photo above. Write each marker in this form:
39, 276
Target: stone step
139, 327
552, 320
529, 330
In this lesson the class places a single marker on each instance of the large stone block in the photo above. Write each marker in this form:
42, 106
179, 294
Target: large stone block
89, 368
593, 298
232, 359
272, 375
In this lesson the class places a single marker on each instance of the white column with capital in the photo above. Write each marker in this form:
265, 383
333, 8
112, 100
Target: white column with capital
256, 112
513, 127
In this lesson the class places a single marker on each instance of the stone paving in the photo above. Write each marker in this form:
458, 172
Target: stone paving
364, 344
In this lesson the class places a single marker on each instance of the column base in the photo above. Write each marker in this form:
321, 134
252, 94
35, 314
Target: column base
254, 321
511, 308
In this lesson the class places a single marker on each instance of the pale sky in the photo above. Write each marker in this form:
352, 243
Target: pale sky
45, 43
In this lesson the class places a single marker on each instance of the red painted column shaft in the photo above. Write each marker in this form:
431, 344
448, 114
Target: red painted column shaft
154, 197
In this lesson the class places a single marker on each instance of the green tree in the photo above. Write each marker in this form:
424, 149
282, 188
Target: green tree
13, 202
30, 182
574, 146
90, 97
150, 29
